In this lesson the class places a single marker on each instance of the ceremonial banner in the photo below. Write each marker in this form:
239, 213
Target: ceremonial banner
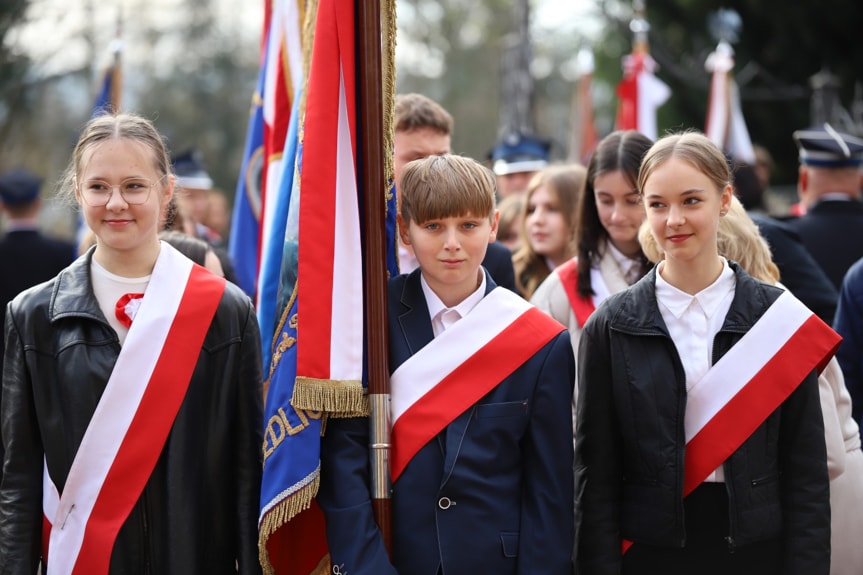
583, 136
726, 126
245, 220
317, 361
640, 94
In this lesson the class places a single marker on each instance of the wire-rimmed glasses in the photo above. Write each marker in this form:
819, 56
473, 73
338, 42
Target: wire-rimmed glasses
134, 191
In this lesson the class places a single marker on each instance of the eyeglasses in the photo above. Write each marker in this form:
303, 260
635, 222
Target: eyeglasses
134, 191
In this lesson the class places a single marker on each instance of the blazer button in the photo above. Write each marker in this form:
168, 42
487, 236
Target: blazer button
445, 503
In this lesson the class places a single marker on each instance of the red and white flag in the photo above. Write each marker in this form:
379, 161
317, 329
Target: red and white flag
330, 276
583, 134
640, 93
283, 79
726, 126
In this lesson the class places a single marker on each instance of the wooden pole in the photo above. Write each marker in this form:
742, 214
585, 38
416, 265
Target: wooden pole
371, 171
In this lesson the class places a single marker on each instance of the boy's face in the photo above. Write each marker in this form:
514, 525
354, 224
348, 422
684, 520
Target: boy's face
449, 251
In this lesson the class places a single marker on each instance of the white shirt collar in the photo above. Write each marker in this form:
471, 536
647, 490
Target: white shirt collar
677, 301
628, 266
437, 307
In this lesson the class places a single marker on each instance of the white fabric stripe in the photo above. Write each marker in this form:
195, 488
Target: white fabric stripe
50, 497
424, 370
346, 339
597, 282
745, 359
117, 407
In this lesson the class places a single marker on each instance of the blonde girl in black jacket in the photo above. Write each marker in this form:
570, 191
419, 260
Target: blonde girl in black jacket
744, 490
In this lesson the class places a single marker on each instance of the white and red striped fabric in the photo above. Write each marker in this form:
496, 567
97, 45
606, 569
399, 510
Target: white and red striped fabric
749, 383
582, 307
133, 418
461, 365
640, 93
329, 284
726, 126
282, 82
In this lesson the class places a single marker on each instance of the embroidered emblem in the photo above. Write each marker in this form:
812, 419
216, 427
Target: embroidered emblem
127, 308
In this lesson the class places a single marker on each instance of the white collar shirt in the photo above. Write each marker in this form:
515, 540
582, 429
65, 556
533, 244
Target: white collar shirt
442, 317
693, 322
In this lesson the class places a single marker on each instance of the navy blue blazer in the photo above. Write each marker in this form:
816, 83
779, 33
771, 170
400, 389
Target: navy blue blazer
832, 231
493, 493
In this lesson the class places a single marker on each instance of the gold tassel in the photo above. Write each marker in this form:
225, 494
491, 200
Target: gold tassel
337, 398
286, 510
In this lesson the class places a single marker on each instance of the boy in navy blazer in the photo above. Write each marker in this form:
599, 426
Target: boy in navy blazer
481, 458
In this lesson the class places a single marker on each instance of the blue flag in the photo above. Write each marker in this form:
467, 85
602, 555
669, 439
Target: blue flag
245, 222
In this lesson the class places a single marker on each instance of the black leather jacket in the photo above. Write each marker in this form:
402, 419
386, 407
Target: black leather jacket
630, 441
198, 512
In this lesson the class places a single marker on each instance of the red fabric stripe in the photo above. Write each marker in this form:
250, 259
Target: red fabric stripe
583, 308
152, 422
811, 347
469, 382
742, 415
333, 52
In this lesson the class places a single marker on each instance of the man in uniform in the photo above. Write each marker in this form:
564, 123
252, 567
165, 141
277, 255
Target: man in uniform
26, 256
828, 185
515, 159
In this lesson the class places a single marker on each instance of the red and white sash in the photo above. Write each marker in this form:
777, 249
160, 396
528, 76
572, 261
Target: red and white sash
461, 365
750, 382
582, 307
131, 423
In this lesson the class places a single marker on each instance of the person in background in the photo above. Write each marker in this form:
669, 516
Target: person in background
511, 220
195, 249
27, 257
193, 195
669, 468
849, 324
218, 216
548, 228
739, 239
828, 183
132, 409
423, 128
515, 159
608, 258
800, 272
481, 460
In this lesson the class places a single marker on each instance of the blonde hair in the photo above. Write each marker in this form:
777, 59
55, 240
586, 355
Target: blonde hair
446, 186
566, 184
738, 239
692, 147
511, 210
114, 127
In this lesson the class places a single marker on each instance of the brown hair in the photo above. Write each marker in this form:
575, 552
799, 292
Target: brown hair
446, 186
619, 151
415, 111
112, 127
566, 185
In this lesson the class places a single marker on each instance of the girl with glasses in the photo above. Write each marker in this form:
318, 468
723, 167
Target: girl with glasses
131, 412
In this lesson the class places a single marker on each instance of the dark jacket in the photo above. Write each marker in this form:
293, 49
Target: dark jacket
505, 463
832, 231
798, 270
630, 441
198, 512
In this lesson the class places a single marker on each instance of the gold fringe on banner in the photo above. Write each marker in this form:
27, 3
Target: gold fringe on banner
338, 398
281, 514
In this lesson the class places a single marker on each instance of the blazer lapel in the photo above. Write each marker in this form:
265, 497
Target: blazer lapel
414, 320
